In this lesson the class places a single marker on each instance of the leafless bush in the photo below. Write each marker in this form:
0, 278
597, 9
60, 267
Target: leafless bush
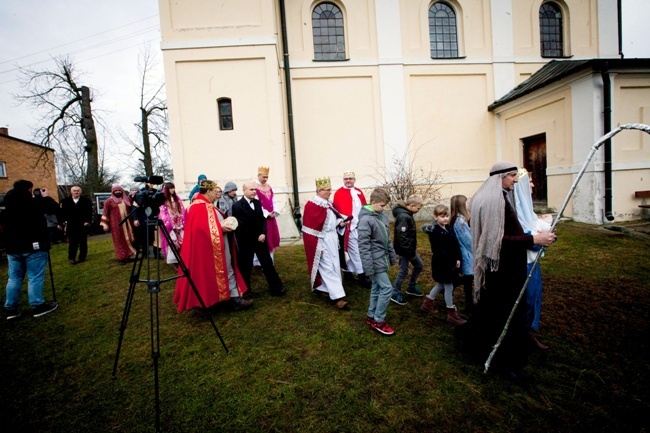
406, 175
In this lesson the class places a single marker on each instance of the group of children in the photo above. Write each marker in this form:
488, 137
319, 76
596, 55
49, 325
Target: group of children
451, 259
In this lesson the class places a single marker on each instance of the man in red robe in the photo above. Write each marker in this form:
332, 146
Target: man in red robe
205, 255
116, 208
349, 200
319, 228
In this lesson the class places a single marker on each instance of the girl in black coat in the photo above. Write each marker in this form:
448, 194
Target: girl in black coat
445, 263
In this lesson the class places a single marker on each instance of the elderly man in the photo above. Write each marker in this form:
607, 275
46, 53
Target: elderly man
499, 246
252, 239
349, 200
77, 214
209, 257
320, 223
116, 208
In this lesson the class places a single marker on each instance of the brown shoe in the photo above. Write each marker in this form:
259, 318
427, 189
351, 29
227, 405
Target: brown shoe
454, 317
536, 342
341, 304
428, 306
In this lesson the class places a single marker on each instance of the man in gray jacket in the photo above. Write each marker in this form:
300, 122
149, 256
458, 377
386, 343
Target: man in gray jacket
377, 255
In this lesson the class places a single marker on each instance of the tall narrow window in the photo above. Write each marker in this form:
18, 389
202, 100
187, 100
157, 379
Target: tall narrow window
225, 114
329, 37
550, 30
3, 169
443, 31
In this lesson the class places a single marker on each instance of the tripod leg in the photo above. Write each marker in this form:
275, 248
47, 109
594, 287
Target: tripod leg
154, 317
135, 275
49, 262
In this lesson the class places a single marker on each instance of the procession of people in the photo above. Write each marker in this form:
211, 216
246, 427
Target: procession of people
485, 244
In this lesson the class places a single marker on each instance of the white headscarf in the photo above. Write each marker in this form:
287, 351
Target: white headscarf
488, 218
525, 213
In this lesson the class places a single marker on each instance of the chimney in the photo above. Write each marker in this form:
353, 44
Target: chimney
4, 131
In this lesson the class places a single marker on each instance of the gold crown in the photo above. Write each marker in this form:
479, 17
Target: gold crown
263, 170
323, 183
522, 172
349, 173
207, 184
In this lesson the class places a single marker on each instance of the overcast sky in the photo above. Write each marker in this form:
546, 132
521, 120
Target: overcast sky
104, 39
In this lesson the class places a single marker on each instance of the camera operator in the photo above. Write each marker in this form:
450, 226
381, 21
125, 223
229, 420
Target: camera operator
27, 248
148, 201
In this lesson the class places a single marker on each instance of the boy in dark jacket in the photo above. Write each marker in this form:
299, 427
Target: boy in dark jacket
377, 254
405, 243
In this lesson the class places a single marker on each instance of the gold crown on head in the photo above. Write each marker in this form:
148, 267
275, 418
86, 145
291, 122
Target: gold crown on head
263, 170
207, 184
323, 183
348, 173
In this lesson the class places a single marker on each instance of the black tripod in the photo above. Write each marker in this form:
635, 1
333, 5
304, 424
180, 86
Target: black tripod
153, 288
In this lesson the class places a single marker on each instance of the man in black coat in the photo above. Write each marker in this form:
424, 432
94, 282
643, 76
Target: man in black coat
251, 240
27, 248
77, 213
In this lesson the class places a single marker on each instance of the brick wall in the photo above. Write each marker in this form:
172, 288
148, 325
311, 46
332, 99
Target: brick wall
25, 160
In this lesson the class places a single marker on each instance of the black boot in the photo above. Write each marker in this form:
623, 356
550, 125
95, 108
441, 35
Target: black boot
365, 282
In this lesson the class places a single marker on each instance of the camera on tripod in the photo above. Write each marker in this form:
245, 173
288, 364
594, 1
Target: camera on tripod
150, 199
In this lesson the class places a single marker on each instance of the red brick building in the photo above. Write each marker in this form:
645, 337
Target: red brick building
20, 159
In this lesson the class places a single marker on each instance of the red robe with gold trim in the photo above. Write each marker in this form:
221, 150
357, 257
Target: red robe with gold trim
343, 203
204, 255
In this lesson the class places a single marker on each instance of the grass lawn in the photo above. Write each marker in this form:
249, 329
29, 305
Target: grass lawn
298, 365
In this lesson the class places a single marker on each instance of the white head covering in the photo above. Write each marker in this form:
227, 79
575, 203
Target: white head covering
488, 218
525, 213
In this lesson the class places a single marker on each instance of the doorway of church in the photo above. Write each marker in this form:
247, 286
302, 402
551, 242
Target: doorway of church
535, 162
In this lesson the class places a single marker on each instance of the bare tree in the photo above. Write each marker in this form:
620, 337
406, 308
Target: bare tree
67, 118
406, 175
151, 146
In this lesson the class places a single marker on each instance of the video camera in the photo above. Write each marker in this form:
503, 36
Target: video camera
149, 199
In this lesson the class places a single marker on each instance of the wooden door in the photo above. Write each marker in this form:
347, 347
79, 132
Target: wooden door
535, 163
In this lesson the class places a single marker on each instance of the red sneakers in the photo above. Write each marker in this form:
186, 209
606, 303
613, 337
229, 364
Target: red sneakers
383, 328
370, 321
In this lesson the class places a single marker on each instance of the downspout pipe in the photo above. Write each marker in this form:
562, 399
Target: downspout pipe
292, 140
607, 127
619, 11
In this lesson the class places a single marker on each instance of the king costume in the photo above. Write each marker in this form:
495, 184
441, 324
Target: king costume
265, 196
210, 258
116, 208
321, 243
349, 201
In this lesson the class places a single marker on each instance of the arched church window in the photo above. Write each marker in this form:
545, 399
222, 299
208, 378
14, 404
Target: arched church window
329, 35
443, 31
550, 30
225, 114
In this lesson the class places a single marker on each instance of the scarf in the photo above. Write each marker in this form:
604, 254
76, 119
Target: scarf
488, 218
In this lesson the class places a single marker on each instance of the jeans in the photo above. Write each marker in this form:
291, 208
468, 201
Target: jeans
404, 271
379, 296
32, 264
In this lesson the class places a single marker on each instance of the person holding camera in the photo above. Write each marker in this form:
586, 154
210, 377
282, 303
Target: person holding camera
27, 248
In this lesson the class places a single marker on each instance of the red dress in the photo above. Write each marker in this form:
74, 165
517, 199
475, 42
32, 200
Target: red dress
204, 255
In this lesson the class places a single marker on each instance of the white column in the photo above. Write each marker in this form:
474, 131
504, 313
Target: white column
391, 78
608, 29
503, 54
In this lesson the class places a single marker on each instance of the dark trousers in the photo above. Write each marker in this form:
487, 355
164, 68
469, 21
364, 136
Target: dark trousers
77, 240
245, 262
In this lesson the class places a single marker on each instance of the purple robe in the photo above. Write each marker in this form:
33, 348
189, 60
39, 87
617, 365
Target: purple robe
272, 231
